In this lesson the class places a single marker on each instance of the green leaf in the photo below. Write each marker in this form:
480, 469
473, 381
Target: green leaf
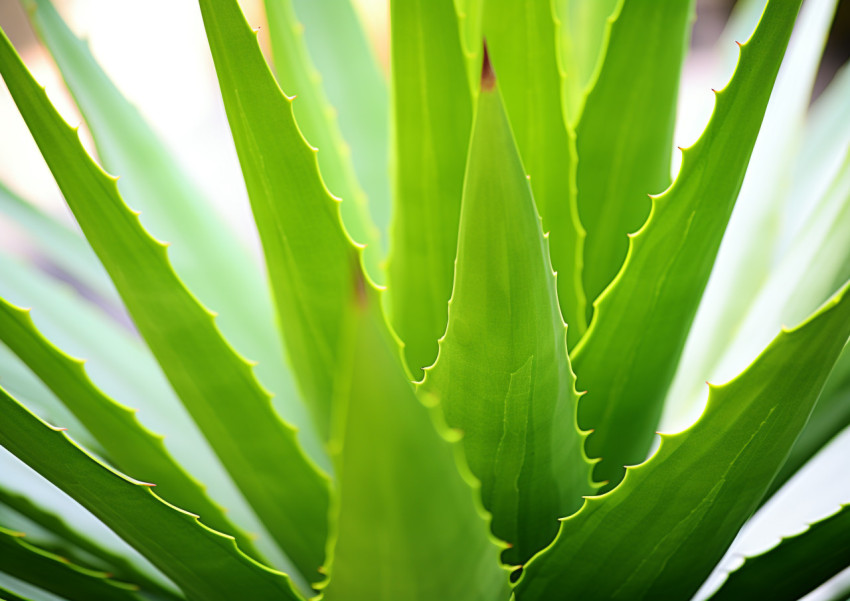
119, 566
56, 574
216, 385
425, 536
624, 138
205, 564
512, 391
120, 365
317, 122
132, 448
734, 288
582, 39
308, 254
830, 416
469, 19
216, 265
525, 58
432, 114
796, 566
675, 515
357, 90
628, 356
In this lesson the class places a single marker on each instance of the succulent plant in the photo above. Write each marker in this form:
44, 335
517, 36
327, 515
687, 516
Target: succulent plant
408, 423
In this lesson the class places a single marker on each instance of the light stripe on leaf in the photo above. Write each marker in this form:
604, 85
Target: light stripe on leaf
674, 516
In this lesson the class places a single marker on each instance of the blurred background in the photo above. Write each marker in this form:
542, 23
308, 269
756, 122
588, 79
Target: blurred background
157, 54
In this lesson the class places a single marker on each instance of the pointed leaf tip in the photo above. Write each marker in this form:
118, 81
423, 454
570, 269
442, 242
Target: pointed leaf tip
488, 76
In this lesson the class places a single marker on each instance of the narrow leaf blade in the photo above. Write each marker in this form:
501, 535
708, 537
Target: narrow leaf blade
432, 117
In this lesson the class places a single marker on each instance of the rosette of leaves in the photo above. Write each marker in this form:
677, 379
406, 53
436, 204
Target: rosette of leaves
388, 404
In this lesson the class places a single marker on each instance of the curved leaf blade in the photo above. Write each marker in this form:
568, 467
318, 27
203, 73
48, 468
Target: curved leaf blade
512, 391
675, 515
260, 451
796, 566
624, 138
308, 254
56, 574
627, 358
432, 117
317, 122
205, 564
132, 448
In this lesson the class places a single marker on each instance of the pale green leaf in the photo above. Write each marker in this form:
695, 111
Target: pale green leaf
357, 90
659, 534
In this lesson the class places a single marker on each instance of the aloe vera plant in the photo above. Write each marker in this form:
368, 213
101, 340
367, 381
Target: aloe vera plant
409, 403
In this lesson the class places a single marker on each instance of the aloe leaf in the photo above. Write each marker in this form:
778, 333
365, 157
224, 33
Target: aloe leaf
218, 268
357, 90
59, 244
581, 40
120, 365
754, 228
675, 515
205, 564
308, 254
796, 566
56, 574
511, 392
622, 159
432, 112
317, 122
291, 495
830, 416
132, 448
642, 319
119, 566
526, 59
425, 537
